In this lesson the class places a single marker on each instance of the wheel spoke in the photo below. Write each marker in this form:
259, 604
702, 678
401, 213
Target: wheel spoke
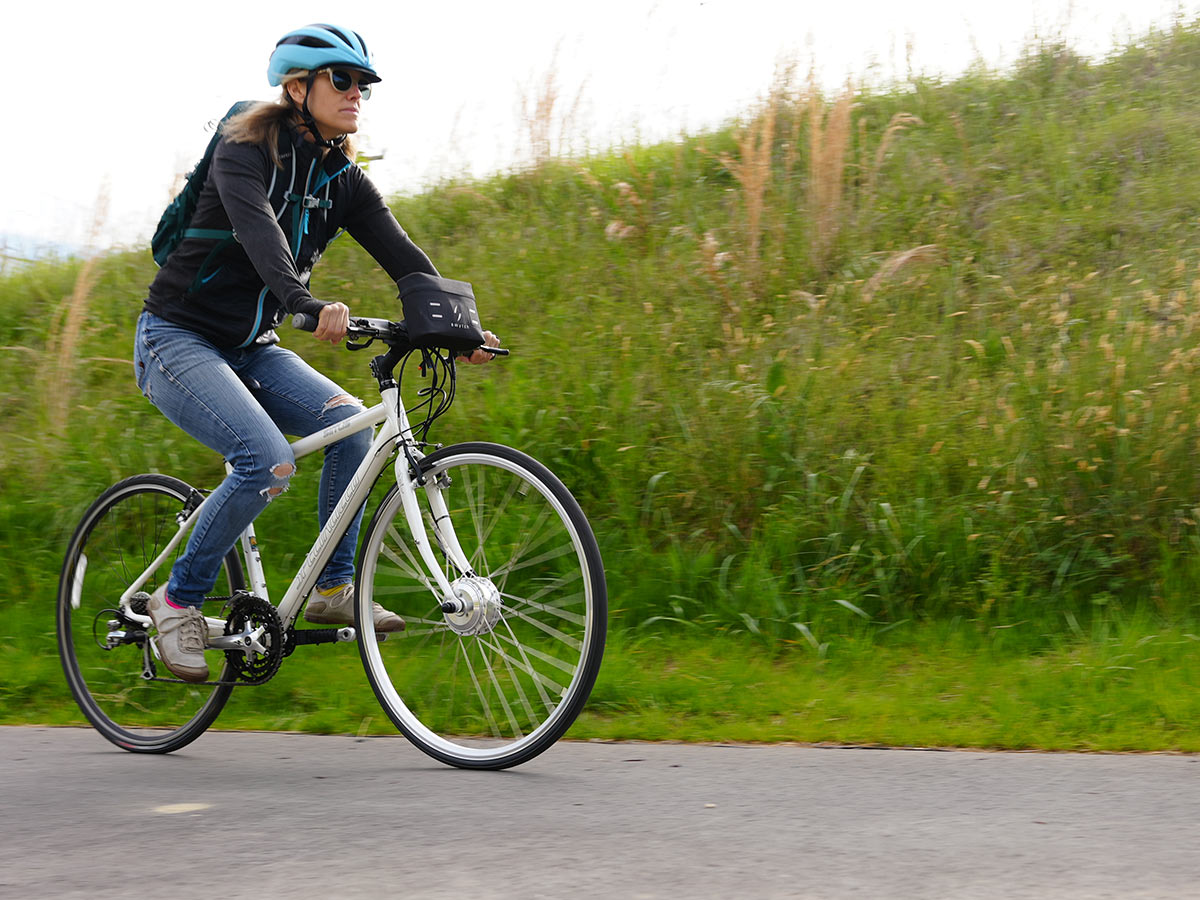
512, 720
571, 642
540, 681
409, 564
535, 676
487, 708
516, 682
526, 544
524, 649
553, 610
537, 560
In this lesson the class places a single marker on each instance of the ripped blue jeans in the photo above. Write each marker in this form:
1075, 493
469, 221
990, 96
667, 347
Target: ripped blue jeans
241, 403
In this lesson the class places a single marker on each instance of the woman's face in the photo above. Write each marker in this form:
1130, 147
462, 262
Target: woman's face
335, 112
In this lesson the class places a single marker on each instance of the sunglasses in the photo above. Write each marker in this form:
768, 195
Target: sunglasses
344, 80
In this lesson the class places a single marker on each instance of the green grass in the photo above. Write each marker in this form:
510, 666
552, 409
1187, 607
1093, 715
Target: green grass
833, 442
933, 689
938, 685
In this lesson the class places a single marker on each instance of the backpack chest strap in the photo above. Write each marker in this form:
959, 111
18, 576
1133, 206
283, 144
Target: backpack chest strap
308, 201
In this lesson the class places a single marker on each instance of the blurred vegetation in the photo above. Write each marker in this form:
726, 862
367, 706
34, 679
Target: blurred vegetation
874, 360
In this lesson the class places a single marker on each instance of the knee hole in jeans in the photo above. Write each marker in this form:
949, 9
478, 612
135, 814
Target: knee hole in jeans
282, 472
340, 400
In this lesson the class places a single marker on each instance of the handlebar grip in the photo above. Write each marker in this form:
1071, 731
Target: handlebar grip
305, 322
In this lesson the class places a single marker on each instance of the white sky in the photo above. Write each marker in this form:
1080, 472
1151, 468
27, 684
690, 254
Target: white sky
114, 97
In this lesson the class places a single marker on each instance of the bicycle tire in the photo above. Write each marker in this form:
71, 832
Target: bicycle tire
499, 697
119, 535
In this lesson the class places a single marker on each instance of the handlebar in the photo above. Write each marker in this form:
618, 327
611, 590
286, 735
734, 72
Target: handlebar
359, 326
394, 334
304, 322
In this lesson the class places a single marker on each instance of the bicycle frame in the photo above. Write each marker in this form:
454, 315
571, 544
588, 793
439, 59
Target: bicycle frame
395, 431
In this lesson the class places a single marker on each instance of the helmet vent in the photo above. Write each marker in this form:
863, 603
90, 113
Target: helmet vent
305, 41
341, 36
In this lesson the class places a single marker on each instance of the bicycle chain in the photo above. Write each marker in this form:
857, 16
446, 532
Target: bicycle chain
289, 641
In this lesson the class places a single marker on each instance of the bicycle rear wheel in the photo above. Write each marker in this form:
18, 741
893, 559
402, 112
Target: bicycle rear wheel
496, 684
118, 537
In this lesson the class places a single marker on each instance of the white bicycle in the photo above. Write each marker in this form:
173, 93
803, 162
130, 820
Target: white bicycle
479, 548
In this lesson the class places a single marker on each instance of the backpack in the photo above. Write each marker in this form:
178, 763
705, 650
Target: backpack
173, 225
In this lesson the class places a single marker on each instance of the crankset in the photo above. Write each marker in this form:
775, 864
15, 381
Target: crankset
253, 641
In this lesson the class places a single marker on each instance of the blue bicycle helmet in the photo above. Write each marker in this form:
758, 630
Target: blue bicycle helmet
316, 46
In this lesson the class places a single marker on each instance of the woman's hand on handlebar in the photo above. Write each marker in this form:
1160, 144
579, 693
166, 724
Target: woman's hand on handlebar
332, 325
481, 356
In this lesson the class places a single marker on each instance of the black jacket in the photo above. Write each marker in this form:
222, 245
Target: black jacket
236, 290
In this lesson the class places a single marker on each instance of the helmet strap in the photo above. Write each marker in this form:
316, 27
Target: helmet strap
311, 123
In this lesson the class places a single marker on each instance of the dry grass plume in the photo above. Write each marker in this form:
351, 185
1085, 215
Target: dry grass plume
829, 143
547, 125
752, 171
66, 330
894, 264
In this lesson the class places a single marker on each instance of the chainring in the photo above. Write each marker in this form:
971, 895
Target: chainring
257, 618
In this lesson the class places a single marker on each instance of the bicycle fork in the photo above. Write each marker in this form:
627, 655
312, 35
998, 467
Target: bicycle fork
407, 482
469, 600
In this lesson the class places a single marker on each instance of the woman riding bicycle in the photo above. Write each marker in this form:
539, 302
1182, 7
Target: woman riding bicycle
282, 184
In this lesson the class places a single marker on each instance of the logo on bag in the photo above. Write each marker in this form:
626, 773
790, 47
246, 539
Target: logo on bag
444, 318
458, 319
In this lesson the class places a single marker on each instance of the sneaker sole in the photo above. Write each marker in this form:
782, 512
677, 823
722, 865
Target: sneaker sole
191, 676
319, 619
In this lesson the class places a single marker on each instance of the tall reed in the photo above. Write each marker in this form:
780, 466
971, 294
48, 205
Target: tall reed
751, 168
547, 124
58, 365
829, 134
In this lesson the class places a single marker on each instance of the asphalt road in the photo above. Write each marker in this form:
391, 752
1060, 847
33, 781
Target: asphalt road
275, 815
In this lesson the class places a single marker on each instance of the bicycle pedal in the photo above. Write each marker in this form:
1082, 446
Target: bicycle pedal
302, 636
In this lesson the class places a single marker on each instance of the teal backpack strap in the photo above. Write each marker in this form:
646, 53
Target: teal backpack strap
224, 239
214, 234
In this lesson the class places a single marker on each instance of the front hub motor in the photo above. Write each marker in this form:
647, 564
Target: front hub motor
480, 604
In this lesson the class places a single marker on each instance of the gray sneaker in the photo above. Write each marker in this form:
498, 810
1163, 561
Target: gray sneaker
180, 639
338, 609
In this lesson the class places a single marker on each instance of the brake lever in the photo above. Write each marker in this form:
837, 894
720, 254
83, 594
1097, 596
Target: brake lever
352, 344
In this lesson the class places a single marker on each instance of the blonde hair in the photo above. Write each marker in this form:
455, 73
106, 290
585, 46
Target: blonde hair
261, 123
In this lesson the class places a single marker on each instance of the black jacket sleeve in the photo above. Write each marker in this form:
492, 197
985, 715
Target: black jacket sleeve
372, 224
241, 173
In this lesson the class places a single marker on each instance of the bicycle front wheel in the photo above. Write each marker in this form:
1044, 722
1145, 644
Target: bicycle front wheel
105, 657
495, 683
